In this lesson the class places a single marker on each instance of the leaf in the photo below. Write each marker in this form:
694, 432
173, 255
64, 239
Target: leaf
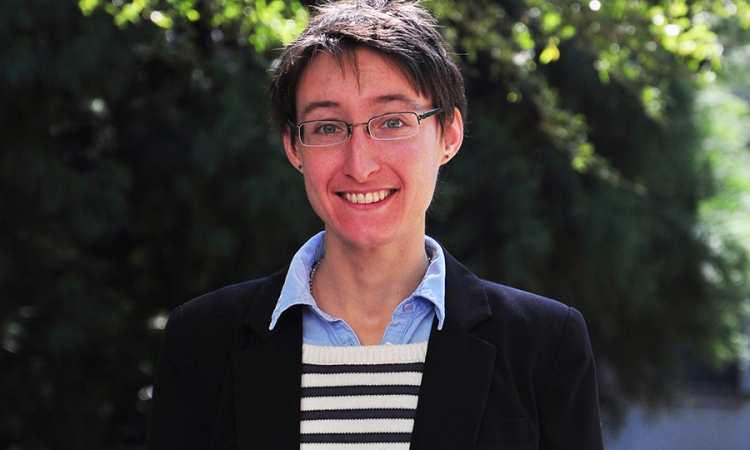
549, 54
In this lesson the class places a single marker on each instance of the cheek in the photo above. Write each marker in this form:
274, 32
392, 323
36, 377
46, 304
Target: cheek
422, 173
431, 162
315, 198
317, 176
312, 186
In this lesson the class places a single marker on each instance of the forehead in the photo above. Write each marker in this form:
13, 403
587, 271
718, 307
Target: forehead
358, 79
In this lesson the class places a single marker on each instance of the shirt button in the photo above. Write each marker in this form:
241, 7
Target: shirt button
409, 307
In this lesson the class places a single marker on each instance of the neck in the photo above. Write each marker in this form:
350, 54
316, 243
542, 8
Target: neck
364, 285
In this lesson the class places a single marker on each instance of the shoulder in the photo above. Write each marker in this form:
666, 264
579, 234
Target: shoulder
219, 315
542, 346
542, 331
222, 304
511, 318
518, 305
532, 315
474, 301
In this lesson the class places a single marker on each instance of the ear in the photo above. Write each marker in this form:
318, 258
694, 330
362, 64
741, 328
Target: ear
453, 136
291, 150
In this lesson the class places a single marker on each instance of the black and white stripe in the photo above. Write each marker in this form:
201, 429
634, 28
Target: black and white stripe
361, 398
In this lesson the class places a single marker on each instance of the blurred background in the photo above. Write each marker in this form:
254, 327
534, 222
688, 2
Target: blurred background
607, 165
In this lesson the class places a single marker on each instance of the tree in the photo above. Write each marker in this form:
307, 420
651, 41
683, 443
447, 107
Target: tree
138, 172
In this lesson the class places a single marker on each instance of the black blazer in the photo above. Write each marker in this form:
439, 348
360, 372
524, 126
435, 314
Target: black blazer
509, 370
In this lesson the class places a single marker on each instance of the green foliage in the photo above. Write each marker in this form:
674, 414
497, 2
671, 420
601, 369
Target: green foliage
263, 24
138, 170
725, 120
723, 112
634, 262
631, 41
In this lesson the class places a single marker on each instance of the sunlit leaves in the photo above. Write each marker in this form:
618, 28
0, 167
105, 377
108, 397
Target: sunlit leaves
88, 6
550, 53
627, 38
523, 38
631, 41
551, 21
184, 8
161, 19
725, 9
652, 101
265, 24
567, 32
725, 119
132, 12
689, 38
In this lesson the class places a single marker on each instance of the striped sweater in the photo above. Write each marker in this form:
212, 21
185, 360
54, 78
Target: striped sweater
359, 398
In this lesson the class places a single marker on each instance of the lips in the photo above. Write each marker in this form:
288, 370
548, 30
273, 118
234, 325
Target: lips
368, 197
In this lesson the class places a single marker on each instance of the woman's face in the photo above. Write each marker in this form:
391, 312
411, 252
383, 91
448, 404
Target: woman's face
369, 193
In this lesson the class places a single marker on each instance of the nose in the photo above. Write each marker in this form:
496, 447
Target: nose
362, 156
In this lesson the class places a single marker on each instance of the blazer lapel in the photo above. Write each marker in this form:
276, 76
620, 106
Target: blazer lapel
267, 377
458, 369
456, 379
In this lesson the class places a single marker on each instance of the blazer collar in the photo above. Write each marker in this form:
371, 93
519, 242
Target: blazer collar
465, 298
258, 317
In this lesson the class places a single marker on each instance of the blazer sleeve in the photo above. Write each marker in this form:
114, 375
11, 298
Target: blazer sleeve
178, 418
569, 409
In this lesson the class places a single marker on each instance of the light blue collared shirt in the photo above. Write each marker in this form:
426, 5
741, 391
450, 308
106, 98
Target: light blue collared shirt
411, 321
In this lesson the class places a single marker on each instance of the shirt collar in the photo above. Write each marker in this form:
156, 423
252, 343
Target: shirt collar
296, 289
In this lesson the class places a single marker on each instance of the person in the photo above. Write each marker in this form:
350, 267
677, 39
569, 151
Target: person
374, 337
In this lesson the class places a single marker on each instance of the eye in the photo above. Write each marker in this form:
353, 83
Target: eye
326, 128
393, 122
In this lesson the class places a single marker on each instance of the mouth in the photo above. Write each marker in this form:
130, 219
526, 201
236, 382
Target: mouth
368, 197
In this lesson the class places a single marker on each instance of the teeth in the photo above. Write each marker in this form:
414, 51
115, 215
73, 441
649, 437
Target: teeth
370, 197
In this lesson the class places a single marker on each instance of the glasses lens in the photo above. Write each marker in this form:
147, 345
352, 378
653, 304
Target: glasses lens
394, 126
323, 132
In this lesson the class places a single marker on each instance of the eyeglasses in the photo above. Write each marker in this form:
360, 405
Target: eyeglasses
388, 127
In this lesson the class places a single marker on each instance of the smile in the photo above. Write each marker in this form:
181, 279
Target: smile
370, 197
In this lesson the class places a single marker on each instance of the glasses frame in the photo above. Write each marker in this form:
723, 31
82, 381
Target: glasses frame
350, 126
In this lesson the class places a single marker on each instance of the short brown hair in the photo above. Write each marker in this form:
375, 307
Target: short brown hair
400, 29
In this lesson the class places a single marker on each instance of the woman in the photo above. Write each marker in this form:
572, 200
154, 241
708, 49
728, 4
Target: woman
374, 336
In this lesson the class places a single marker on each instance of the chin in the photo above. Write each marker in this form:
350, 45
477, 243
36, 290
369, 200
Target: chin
362, 237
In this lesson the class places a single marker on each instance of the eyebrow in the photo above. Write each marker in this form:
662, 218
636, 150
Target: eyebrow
318, 105
385, 99
381, 100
